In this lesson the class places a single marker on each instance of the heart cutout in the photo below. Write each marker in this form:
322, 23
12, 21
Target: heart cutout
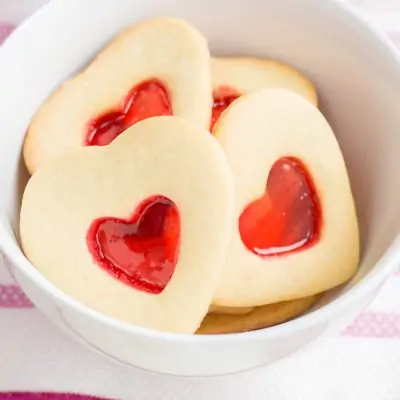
286, 218
145, 100
222, 99
141, 251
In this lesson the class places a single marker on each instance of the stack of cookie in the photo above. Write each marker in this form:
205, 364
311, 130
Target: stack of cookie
186, 193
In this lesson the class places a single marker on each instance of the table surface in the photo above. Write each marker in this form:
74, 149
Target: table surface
363, 362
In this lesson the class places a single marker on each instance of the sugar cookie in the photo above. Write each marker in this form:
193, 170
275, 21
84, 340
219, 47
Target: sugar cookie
296, 231
260, 317
235, 76
118, 229
158, 67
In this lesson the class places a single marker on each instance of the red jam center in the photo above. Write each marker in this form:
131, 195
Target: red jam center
223, 97
145, 100
141, 251
287, 217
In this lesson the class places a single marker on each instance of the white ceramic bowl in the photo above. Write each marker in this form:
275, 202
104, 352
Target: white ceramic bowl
357, 73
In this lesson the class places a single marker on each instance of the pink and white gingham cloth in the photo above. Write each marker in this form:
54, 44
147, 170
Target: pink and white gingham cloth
37, 362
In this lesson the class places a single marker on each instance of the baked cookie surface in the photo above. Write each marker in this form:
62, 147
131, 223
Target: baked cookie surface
117, 229
258, 318
229, 310
235, 76
158, 67
295, 232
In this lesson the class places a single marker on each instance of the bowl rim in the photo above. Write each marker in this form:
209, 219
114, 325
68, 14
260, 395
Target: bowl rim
374, 278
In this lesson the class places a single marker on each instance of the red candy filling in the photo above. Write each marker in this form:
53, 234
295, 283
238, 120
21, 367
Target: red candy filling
145, 100
223, 97
141, 251
286, 218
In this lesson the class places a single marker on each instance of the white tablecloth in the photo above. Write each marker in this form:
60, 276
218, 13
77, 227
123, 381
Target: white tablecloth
362, 363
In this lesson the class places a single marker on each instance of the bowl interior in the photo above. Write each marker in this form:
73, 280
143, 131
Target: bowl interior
357, 77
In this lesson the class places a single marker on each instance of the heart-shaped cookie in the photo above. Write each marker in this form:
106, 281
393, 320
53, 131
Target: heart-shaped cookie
158, 67
117, 228
296, 231
257, 318
235, 76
